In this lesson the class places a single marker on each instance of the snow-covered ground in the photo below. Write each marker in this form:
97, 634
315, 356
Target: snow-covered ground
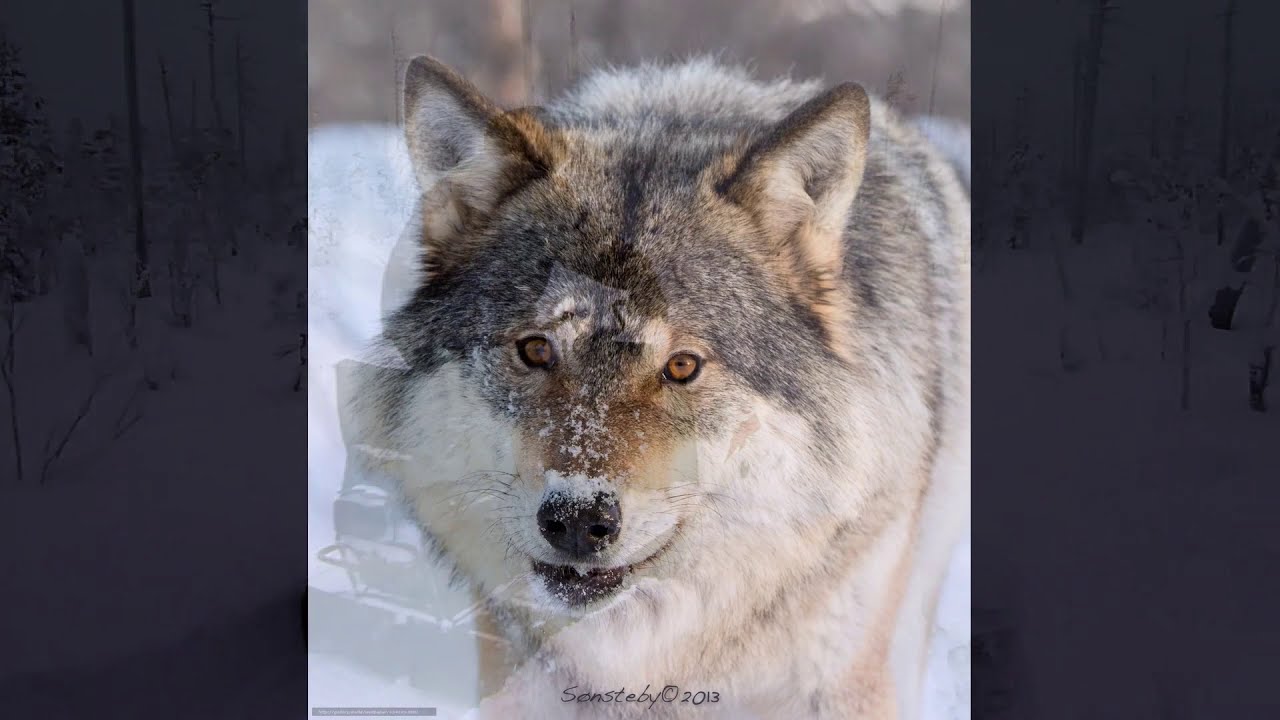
369, 651
109, 562
1114, 530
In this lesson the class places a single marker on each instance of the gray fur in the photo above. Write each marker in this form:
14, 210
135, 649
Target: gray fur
643, 202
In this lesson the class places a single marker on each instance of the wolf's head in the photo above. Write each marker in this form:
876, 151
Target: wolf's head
622, 323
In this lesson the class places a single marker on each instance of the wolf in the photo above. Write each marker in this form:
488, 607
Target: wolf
681, 388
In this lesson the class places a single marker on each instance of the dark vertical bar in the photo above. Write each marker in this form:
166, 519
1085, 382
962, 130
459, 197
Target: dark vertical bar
142, 267
1224, 133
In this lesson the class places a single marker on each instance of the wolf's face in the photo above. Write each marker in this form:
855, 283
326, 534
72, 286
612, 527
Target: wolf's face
604, 316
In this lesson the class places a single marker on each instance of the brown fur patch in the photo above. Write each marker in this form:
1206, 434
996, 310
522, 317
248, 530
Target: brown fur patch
525, 135
629, 442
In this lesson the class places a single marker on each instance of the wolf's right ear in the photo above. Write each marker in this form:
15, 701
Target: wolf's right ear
799, 181
808, 167
467, 153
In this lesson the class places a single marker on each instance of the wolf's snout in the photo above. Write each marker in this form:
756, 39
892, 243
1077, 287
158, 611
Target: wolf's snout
577, 525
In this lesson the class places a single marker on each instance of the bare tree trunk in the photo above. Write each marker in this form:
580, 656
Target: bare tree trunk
573, 45
1022, 157
1067, 355
1185, 374
1259, 378
213, 250
75, 292
1089, 88
503, 46
217, 281
142, 269
1073, 141
1274, 303
180, 284
131, 325
1154, 147
6, 372
526, 24
211, 47
1185, 381
1180, 126
302, 362
1225, 131
240, 107
397, 96
937, 55
168, 108
1260, 371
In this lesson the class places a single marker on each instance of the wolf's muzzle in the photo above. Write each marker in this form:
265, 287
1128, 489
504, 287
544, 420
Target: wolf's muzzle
580, 525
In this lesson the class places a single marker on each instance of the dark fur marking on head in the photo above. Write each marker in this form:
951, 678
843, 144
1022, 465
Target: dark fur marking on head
635, 171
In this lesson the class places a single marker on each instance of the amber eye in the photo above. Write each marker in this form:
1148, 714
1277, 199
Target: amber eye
536, 352
682, 367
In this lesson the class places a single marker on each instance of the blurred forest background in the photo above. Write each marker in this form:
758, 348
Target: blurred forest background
148, 199
914, 52
152, 318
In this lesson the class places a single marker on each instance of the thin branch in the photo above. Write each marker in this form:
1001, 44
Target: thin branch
124, 422
81, 413
128, 417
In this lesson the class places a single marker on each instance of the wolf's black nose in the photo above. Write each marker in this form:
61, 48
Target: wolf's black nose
580, 525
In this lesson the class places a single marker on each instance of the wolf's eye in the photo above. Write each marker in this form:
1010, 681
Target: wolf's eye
536, 352
682, 367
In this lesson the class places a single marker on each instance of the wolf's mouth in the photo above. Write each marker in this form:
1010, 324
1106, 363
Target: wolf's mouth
576, 588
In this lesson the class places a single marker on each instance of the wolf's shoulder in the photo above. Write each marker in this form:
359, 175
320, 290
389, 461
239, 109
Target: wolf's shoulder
696, 88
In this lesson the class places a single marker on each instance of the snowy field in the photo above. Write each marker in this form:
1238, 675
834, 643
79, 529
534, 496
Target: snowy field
110, 569
1068, 541
419, 649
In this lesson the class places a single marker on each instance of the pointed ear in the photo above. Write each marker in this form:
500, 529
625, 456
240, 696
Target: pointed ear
799, 181
467, 154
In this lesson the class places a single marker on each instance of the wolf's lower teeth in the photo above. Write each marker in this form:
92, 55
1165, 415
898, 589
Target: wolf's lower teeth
579, 586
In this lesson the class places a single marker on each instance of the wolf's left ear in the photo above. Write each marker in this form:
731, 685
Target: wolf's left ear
799, 181
467, 153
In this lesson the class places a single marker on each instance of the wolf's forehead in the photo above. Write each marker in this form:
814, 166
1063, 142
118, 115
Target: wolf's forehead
568, 292
622, 164
676, 142
581, 305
